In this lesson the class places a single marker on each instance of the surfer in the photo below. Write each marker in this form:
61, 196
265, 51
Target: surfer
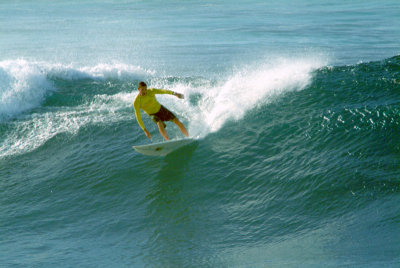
146, 100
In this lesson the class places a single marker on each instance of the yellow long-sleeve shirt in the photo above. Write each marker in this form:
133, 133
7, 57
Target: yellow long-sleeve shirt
148, 103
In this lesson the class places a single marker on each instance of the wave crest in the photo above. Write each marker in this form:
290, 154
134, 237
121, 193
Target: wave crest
247, 89
24, 85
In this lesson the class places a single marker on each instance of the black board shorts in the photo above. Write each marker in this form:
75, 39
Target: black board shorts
162, 115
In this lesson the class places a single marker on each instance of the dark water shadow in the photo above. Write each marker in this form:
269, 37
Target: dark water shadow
171, 217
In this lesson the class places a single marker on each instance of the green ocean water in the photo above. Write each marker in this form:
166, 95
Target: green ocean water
309, 175
294, 105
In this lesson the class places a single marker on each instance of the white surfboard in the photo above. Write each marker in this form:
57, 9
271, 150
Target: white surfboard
162, 148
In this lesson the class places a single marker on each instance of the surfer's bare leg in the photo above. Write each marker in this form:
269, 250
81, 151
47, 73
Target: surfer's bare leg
162, 130
181, 126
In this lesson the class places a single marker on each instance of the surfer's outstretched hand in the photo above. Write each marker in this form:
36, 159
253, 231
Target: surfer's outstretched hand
179, 95
147, 133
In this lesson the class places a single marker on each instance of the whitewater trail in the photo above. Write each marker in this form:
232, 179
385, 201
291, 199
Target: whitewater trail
27, 85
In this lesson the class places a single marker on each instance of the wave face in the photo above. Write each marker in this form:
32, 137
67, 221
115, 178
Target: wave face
293, 158
55, 98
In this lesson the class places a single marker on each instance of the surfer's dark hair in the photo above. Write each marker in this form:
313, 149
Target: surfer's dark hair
142, 84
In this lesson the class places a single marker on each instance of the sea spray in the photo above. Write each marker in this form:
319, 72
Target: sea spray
23, 86
112, 89
232, 97
57, 98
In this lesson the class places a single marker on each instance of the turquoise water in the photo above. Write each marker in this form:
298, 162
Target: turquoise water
294, 105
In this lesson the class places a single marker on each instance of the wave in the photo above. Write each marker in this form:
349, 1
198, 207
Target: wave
245, 90
41, 100
25, 85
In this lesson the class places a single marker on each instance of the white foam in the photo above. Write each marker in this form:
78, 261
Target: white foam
228, 99
99, 71
24, 84
31, 132
246, 89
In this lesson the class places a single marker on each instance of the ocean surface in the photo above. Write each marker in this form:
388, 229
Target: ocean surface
294, 105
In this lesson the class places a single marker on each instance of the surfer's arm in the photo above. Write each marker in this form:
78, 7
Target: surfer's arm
138, 114
166, 91
139, 119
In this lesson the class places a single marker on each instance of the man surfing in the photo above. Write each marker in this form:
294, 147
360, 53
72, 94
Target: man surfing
146, 100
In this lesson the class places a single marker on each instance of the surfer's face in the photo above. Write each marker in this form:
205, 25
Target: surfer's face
142, 90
